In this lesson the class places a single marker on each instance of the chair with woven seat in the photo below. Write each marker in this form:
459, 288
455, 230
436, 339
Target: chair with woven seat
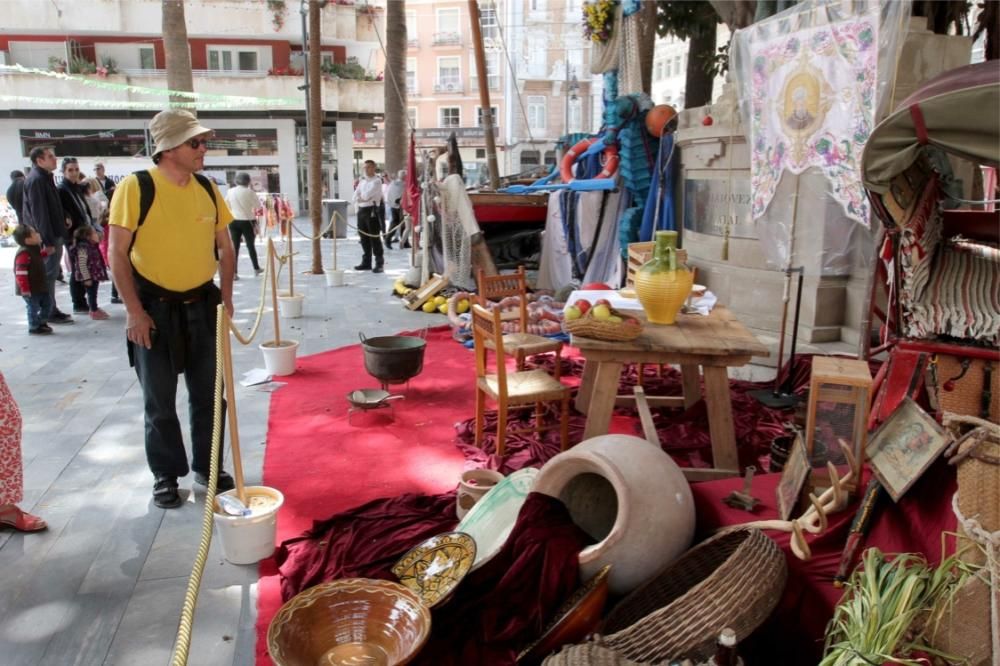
522, 344
511, 389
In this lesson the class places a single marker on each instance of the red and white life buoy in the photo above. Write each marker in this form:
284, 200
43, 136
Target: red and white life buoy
611, 160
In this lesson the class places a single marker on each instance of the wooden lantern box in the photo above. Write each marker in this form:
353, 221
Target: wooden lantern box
839, 400
641, 253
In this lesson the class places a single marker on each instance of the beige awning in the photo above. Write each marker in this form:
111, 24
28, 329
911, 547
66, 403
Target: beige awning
959, 112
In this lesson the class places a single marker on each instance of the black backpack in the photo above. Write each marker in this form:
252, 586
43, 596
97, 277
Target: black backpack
147, 192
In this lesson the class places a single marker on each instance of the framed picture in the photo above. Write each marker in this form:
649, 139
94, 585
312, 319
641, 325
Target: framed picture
904, 447
793, 477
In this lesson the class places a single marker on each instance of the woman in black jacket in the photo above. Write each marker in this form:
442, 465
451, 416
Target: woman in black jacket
74, 204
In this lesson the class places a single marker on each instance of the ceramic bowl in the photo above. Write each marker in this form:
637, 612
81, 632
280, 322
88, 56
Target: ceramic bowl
573, 622
436, 567
349, 621
492, 518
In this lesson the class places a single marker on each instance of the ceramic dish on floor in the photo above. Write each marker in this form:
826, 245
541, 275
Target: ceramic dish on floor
435, 568
492, 518
576, 618
698, 290
349, 621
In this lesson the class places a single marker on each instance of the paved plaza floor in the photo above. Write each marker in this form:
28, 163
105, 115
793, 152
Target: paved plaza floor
105, 583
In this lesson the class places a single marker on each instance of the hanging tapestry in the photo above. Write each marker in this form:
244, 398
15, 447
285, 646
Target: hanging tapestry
813, 105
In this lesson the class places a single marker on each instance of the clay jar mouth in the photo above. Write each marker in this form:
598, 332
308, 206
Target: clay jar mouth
590, 494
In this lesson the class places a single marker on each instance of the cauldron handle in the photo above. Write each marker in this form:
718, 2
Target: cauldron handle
362, 336
423, 333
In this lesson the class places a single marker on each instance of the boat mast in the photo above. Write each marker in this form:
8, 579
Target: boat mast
484, 95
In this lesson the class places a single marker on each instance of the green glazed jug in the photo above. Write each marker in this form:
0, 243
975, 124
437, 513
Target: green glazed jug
663, 283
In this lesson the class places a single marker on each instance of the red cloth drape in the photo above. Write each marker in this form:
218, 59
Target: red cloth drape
497, 609
411, 194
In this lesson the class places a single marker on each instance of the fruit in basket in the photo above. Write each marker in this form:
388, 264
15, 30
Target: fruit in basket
572, 312
632, 321
601, 312
603, 301
615, 319
583, 304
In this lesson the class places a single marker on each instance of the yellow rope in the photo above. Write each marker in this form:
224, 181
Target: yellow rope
183, 642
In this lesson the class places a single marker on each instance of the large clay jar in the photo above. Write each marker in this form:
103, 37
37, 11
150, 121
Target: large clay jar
631, 498
663, 284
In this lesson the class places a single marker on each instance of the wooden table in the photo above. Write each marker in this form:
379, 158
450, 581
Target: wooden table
697, 344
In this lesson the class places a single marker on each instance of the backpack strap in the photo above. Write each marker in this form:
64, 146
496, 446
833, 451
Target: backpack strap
147, 192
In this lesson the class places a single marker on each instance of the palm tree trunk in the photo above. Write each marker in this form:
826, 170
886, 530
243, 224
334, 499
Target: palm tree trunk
176, 50
315, 135
394, 86
698, 87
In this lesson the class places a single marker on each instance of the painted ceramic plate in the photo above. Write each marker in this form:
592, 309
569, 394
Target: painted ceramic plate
436, 567
576, 618
492, 518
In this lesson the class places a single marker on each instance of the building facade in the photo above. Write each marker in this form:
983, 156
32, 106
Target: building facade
537, 71
85, 78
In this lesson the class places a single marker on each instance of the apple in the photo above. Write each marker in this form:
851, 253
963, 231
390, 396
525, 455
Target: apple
601, 311
583, 304
632, 321
602, 301
572, 312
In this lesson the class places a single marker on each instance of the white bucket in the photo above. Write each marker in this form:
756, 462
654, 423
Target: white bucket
280, 360
290, 307
334, 277
249, 539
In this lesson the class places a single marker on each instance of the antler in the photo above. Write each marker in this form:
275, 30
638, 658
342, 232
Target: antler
814, 519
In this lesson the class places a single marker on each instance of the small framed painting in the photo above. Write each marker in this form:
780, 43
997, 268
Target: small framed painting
793, 477
904, 447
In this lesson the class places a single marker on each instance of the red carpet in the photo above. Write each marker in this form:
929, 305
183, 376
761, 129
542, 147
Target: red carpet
324, 465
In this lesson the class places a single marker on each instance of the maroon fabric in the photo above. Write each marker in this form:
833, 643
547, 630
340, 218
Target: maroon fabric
363, 542
534, 572
913, 525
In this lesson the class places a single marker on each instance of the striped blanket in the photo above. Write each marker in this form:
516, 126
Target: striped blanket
945, 290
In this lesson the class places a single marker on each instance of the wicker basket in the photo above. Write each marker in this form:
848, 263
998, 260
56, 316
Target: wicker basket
732, 580
589, 327
968, 385
590, 654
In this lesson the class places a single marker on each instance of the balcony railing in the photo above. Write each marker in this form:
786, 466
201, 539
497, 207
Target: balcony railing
412, 42
494, 82
448, 86
447, 39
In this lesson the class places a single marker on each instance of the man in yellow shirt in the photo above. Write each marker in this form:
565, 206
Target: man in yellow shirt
164, 256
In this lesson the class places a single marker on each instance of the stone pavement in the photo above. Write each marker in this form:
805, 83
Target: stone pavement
106, 582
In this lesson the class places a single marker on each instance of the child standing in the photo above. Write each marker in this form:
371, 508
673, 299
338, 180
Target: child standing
29, 278
88, 266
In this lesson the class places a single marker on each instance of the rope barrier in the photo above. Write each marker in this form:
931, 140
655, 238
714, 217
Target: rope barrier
183, 643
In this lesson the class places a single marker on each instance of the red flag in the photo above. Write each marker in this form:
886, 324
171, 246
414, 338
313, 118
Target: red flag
411, 193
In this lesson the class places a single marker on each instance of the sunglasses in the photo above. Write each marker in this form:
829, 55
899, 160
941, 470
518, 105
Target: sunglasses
195, 144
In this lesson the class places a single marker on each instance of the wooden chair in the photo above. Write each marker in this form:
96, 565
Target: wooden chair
523, 344
511, 389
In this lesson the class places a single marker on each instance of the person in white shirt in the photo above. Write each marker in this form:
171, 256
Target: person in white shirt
368, 199
394, 194
243, 203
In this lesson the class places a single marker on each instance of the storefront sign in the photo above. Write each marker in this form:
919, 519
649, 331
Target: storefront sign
713, 205
429, 133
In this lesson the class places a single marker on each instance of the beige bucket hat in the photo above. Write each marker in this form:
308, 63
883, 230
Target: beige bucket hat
173, 127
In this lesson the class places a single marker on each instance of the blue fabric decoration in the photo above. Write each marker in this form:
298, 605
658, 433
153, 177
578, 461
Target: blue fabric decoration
668, 164
630, 7
628, 229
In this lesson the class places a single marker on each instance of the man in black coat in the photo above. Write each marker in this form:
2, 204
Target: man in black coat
43, 210
74, 203
15, 193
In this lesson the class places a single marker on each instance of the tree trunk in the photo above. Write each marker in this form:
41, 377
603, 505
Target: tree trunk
316, 136
394, 86
647, 45
698, 88
176, 50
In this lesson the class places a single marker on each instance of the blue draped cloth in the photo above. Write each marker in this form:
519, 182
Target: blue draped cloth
664, 174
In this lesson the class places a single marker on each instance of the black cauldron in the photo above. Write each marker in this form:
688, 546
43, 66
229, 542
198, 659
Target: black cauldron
393, 359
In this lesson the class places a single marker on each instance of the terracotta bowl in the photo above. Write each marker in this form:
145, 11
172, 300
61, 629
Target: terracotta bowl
349, 621
435, 568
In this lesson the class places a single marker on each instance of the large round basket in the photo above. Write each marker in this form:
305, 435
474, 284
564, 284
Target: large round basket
732, 580
588, 326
